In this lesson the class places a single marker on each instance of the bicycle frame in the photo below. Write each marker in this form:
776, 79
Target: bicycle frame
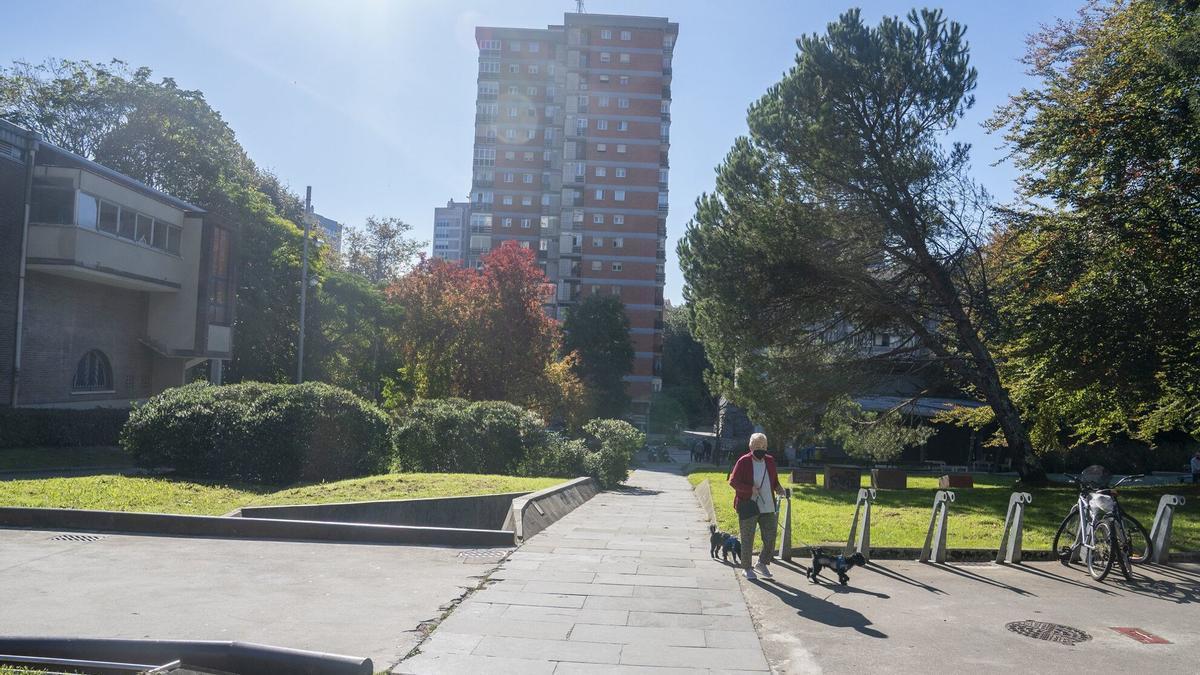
1085, 537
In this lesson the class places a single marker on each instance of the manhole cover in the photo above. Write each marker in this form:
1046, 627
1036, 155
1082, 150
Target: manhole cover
77, 537
1051, 632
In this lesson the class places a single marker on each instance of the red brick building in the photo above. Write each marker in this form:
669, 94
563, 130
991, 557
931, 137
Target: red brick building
572, 132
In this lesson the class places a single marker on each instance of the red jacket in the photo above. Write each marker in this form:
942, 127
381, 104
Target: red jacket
741, 478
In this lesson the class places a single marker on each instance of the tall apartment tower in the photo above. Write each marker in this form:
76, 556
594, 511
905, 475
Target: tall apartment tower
449, 223
572, 130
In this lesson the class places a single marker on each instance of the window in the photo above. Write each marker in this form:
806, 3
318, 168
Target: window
618, 242
601, 147
524, 244
528, 157
581, 123
668, 41
87, 210
605, 57
622, 103
507, 200
601, 172
597, 265
550, 69
624, 80
512, 111
144, 229
509, 155
93, 373
489, 66
624, 58
618, 219
159, 239
530, 134
526, 223
616, 267
595, 290
514, 68
546, 199
602, 125
598, 242
543, 244
534, 47
619, 195
532, 91
622, 126
662, 175
616, 290
527, 178
597, 219
507, 222
599, 195
533, 69
621, 172
526, 201
510, 134
220, 288
514, 46
508, 178
109, 214
621, 148
513, 90
53, 202
603, 101
489, 44
604, 78
665, 106
626, 35
606, 34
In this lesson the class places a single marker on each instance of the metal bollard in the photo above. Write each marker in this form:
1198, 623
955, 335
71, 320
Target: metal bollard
1160, 532
1014, 521
785, 540
935, 538
863, 544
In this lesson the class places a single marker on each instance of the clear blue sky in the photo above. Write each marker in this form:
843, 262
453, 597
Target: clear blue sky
372, 102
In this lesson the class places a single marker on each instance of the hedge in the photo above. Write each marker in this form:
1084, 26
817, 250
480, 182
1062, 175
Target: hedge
59, 428
458, 436
261, 433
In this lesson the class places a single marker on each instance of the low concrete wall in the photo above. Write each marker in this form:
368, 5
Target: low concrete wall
538, 510
703, 493
247, 528
233, 657
481, 511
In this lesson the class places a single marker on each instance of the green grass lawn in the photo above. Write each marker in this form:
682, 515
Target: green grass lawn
169, 495
901, 517
33, 459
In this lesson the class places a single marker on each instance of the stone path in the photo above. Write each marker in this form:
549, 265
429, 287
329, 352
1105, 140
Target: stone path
623, 584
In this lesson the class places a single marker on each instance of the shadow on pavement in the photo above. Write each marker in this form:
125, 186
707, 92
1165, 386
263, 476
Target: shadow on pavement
819, 610
892, 574
634, 491
1061, 579
981, 579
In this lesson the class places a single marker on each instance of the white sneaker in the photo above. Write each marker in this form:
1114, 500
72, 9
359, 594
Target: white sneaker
763, 571
751, 575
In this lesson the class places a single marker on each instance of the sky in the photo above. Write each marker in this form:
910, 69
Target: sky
371, 102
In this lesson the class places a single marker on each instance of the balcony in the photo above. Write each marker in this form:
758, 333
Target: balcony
484, 182
662, 210
664, 138
483, 118
667, 71
489, 76
666, 91
487, 96
661, 254
666, 117
662, 185
662, 229
485, 140
573, 252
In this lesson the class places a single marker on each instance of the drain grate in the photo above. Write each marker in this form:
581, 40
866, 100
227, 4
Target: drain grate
482, 555
77, 537
1051, 632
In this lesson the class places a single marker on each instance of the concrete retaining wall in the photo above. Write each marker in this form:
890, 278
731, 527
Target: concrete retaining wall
247, 528
538, 510
703, 493
485, 512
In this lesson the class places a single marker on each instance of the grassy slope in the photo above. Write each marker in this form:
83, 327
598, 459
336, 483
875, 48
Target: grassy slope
120, 493
901, 517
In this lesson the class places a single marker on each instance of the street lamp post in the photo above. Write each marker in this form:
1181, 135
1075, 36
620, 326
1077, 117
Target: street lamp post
303, 285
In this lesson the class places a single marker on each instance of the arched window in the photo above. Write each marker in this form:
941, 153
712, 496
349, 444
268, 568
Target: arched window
93, 373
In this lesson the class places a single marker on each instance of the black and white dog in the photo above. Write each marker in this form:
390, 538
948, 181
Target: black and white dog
839, 563
726, 543
715, 541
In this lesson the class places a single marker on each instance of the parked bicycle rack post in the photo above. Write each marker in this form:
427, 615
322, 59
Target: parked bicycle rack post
785, 539
937, 521
1160, 532
863, 545
1014, 522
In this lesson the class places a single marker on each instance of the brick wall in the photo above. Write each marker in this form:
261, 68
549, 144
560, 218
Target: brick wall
65, 318
12, 218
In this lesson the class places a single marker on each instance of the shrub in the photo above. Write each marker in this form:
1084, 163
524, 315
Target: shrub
34, 427
454, 435
559, 456
262, 433
611, 445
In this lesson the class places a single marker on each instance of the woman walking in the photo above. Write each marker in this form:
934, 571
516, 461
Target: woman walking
755, 484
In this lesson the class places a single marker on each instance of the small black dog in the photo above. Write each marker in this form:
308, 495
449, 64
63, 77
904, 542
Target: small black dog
732, 545
840, 564
715, 540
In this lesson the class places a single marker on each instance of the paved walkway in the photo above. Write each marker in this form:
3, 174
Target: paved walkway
623, 584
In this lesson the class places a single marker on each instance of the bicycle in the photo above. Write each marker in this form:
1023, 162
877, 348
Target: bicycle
1108, 533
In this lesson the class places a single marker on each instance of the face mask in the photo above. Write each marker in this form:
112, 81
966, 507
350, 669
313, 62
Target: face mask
759, 454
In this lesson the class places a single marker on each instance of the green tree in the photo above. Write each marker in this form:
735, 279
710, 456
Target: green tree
844, 216
683, 366
1100, 265
381, 251
868, 435
597, 329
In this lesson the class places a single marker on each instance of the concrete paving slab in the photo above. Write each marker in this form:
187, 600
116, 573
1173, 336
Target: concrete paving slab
351, 599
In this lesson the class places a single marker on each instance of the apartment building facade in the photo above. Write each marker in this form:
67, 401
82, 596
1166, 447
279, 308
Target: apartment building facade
571, 160
449, 224
109, 290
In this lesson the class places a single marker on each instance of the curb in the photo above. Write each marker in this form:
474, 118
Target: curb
538, 510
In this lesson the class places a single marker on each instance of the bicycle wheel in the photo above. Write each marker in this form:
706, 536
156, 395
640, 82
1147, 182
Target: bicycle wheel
1140, 547
1104, 549
1066, 537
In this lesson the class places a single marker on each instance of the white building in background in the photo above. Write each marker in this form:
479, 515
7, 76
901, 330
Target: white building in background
449, 224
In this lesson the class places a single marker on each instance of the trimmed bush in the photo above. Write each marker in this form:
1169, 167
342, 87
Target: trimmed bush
611, 445
560, 457
260, 433
458, 436
59, 428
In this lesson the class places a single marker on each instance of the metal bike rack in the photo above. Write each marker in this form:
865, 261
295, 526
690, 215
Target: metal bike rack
1160, 532
863, 545
785, 540
1014, 521
936, 536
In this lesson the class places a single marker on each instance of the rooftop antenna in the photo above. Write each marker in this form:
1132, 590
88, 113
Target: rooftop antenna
579, 9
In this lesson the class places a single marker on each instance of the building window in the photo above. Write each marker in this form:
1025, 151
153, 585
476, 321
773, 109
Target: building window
619, 195
528, 157
623, 126
525, 244
53, 202
527, 178
622, 103
598, 242
662, 175
624, 58
599, 195
532, 91
623, 80
507, 200
595, 290
514, 46
621, 148
604, 79
603, 101
514, 68
507, 222
621, 172
533, 69
489, 66
109, 216
543, 244
597, 265
87, 211
616, 290
617, 267
597, 218
530, 134
508, 177
618, 219
601, 147
93, 374
602, 125
534, 47
606, 34
601, 172
618, 242
513, 90
605, 57
526, 201
525, 223
220, 286
626, 35
510, 155
512, 111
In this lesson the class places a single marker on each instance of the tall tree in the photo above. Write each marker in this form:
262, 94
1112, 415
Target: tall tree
683, 366
1100, 264
597, 329
844, 216
381, 251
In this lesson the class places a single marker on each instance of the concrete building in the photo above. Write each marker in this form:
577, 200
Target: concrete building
109, 290
449, 226
329, 232
572, 131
